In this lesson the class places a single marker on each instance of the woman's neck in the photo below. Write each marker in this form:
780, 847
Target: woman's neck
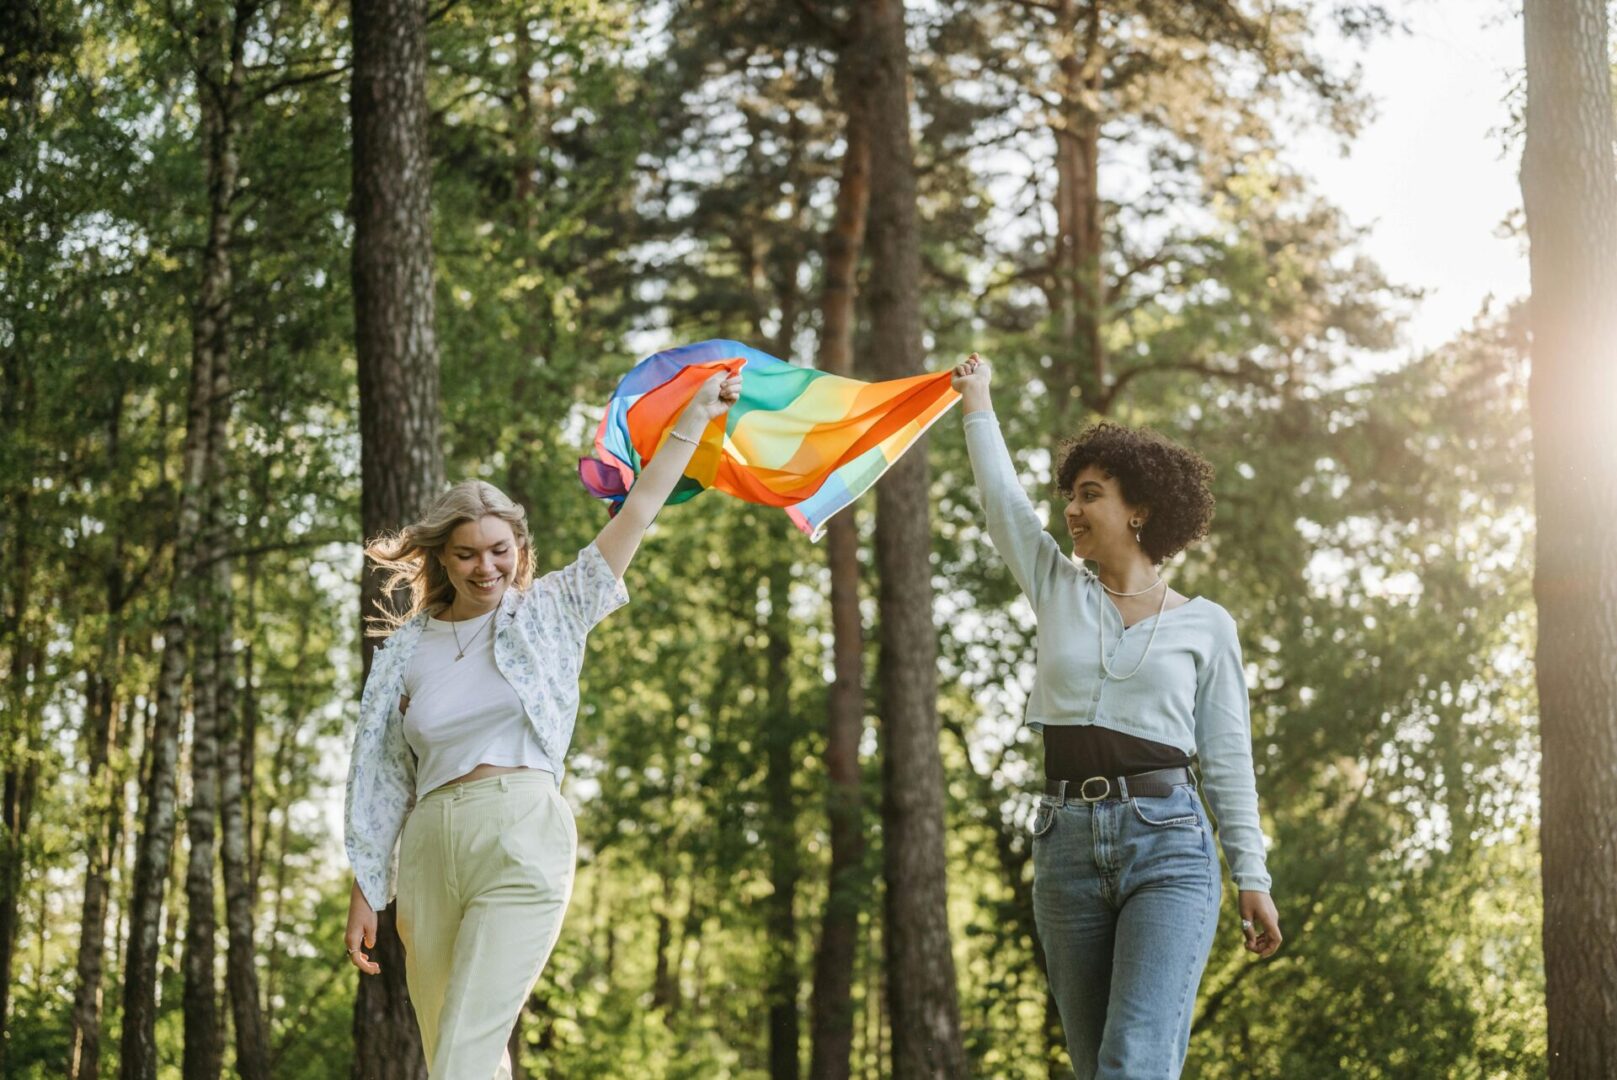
1128, 575
459, 610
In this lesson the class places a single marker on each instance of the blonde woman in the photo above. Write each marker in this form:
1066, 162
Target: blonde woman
465, 718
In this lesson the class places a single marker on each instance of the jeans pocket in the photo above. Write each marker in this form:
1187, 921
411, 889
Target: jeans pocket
1044, 820
1168, 811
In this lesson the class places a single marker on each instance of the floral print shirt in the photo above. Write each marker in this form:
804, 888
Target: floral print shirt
539, 636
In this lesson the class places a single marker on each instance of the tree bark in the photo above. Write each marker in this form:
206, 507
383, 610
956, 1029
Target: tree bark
1570, 194
102, 735
18, 717
831, 1009
920, 965
784, 866
401, 459
21, 784
1077, 291
219, 88
249, 1023
219, 82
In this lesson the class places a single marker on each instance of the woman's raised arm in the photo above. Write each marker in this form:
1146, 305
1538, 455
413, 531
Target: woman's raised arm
620, 539
1013, 524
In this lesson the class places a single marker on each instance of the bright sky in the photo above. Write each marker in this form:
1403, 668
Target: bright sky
1431, 175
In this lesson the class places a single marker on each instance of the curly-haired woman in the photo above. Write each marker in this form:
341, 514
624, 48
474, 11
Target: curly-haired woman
464, 721
1131, 681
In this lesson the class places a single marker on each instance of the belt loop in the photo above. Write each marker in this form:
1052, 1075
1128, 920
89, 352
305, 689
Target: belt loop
505, 782
1123, 788
1062, 793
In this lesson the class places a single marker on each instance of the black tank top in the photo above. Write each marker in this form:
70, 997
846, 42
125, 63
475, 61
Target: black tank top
1078, 751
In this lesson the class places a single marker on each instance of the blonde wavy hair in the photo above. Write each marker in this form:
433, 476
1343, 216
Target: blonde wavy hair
411, 556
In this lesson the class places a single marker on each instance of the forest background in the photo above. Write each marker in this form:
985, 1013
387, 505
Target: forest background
1104, 202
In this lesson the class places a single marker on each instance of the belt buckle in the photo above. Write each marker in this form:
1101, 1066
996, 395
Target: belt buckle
1083, 789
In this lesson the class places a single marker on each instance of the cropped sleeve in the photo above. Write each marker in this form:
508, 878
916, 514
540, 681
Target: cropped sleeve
1019, 536
1224, 745
582, 593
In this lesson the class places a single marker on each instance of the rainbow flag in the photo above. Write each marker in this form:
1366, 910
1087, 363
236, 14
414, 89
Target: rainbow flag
804, 440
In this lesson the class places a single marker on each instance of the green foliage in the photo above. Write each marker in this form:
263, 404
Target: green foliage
610, 180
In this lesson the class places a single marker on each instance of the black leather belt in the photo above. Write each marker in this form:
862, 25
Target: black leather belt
1152, 785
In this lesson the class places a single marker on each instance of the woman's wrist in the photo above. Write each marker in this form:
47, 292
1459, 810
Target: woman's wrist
691, 424
976, 401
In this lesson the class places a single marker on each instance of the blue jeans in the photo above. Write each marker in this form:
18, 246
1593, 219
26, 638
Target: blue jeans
1125, 896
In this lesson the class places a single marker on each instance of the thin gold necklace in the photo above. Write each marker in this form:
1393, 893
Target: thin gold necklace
461, 649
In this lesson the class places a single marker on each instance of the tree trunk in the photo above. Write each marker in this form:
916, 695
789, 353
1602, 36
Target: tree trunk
219, 82
203, 1042
85, 1042
920, 965
219, 87
17, 716
102, 735
664, 989
784, 867
241, 974
21, 784
1570, 195
1078, 291
401, 459
831, 1010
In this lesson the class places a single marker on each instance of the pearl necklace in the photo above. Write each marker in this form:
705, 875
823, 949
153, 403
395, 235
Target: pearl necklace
1100, 626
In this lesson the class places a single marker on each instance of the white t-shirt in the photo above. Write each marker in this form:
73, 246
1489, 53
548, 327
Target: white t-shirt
463, 713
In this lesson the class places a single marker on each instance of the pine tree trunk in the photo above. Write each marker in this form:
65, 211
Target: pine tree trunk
784, 866
16, 791
1570, 194
401, 459
920, 965
21, 784
832, 1017
1077, 292
17, 714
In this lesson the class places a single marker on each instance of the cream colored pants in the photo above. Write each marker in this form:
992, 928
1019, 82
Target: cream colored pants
485, 872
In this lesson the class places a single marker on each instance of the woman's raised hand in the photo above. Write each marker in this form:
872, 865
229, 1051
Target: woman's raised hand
714, 397
361, 931
970, 380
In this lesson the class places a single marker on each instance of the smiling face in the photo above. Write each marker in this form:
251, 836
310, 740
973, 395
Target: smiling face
480, 559
1098, 518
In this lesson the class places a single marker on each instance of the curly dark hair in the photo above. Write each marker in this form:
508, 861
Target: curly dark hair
1152, 471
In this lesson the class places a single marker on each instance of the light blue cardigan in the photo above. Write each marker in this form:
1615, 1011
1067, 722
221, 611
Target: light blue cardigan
1191, 691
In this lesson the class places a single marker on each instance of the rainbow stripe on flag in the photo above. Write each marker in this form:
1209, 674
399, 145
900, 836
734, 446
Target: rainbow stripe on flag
807, 441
